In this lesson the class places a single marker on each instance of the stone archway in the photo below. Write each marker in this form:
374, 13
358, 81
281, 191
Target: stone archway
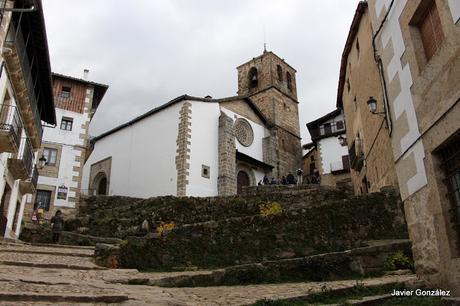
101, 184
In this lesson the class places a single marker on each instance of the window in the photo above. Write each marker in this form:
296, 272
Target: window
280, 73
205, 171
289, 81
65, 92
43, 199
339, 125
253, 81
327, 128
66, 123
430, 30
50, 155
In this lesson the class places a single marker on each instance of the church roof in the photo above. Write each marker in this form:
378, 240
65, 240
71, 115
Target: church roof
185, 98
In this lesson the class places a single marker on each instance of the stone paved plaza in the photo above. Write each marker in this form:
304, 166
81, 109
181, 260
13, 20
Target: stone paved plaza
49, 275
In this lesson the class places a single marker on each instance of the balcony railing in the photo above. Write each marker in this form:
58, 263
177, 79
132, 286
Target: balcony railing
340, 166
10, 128
328, 129
20, 165
17, 45
30, 185
356, 155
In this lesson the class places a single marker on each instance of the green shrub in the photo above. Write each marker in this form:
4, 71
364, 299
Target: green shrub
397, 261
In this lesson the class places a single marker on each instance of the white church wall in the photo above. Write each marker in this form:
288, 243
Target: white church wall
204, 149
331, 152
143, 156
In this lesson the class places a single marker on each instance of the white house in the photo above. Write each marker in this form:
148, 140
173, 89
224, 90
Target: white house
26, 101
64, 146
328, 135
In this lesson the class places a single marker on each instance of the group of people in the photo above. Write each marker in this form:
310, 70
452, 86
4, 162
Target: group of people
285, 180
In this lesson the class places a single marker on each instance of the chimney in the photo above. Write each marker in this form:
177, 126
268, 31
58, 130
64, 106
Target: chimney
85, 74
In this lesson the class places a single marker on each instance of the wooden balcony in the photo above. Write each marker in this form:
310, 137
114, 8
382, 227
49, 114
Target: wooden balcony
14, 51
20, 165
10, 129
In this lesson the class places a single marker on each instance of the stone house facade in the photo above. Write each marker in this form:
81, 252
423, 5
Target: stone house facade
26, 102
332, 160
64, 145
417, 45
368, 137
204, 146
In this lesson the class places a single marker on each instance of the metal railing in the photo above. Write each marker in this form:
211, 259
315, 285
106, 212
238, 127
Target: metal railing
356, 155
2, 9
339, 166
26, 154
15, 36
10, 121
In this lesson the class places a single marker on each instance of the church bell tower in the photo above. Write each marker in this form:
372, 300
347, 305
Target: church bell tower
271, 84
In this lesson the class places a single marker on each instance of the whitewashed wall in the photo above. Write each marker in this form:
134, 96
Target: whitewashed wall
143, 156
16, 198
68, 140
204, 148
331, 151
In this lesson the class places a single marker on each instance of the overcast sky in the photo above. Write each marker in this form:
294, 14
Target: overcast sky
151, 51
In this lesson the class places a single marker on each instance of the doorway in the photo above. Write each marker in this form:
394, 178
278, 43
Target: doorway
4, 209
242, 180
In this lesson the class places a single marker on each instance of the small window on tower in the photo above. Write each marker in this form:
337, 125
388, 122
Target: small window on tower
65, 92
280, 73
289, 81
253, 81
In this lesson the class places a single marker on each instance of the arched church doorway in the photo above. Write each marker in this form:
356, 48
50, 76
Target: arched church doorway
242, 180
100, 184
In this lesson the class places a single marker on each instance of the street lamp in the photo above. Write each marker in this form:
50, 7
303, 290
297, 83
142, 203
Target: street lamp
372, 104
41, 162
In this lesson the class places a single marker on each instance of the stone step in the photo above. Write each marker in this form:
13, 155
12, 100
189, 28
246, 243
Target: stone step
51, 265
321, 267
27, 249
75, 298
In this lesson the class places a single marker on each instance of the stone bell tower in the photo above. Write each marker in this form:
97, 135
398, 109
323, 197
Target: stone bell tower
271, 84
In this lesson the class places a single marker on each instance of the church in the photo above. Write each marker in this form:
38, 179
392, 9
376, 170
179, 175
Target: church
193, 146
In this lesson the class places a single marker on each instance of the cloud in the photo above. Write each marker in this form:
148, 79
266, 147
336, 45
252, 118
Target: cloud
150, 51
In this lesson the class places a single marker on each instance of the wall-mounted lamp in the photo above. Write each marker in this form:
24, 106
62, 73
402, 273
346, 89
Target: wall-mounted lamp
342, 140
372, 104
41, 162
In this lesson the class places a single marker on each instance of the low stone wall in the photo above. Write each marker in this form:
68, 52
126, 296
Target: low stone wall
295, 232
122, 216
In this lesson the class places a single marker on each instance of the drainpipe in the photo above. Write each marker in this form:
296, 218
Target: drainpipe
378, 61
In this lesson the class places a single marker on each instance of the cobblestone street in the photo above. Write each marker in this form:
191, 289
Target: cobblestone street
48, 275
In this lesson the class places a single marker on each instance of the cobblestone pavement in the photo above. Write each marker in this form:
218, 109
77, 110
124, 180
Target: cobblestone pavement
32, 285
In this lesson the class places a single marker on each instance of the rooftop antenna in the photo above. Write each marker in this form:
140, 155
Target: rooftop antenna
265, 41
